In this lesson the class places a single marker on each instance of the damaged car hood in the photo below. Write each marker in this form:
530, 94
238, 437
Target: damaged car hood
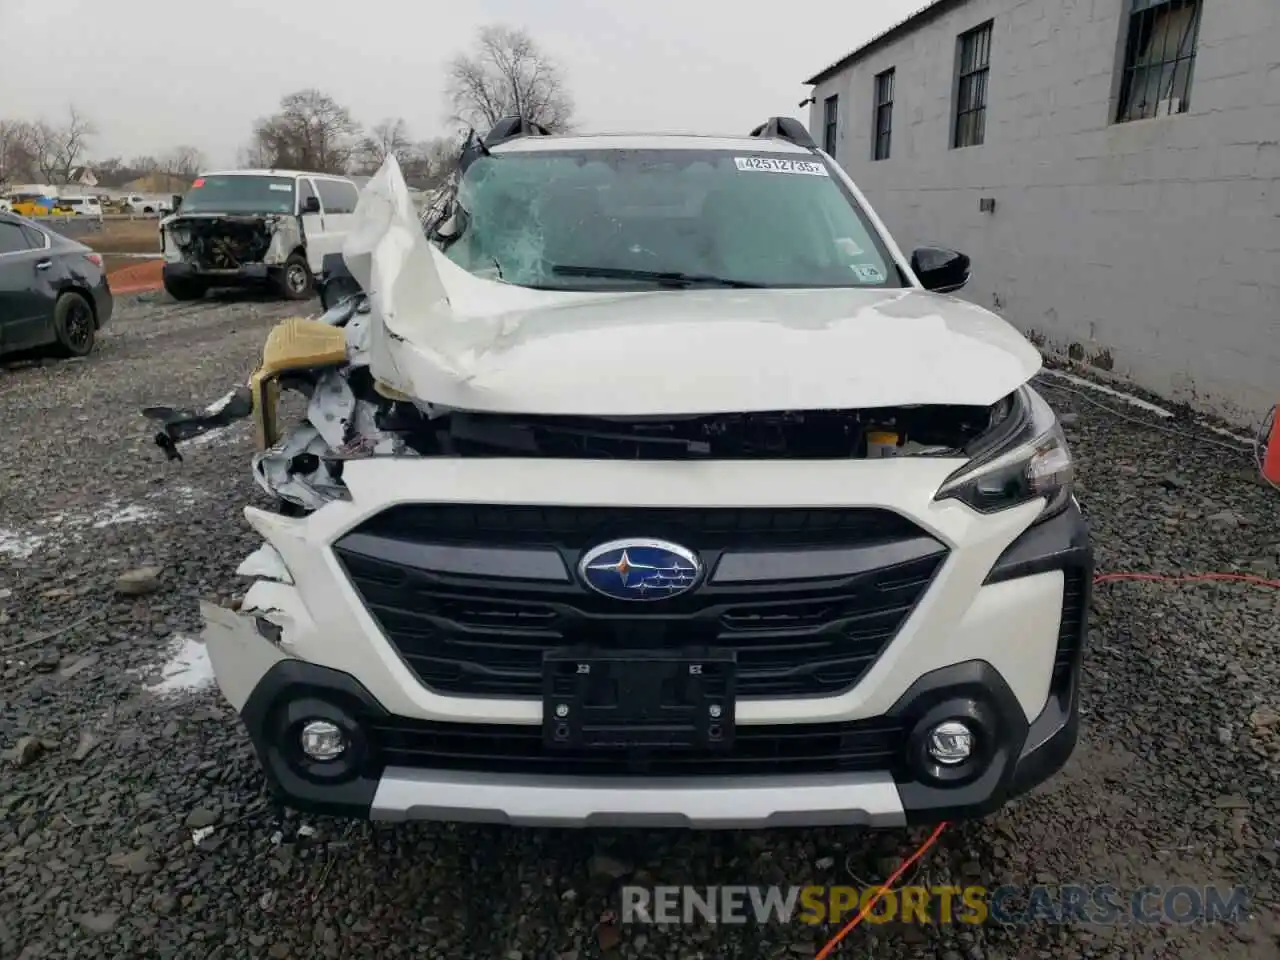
446, 337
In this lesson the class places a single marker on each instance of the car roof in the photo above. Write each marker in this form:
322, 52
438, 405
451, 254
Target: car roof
273, 173
649, 141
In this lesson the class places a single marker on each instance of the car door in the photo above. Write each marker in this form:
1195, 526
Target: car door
314, 227
339, 199
26, 306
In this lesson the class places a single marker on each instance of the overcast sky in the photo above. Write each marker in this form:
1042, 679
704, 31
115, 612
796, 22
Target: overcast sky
156, 73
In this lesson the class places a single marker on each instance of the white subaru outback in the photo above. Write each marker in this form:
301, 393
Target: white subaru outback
655, 486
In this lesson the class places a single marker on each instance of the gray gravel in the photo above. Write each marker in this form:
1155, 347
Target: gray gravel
103, 783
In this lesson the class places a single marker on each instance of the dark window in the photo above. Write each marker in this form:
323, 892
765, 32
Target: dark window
884, 116
831, 121
35, 238
971, 91
1158, 58
304, 191
337, 196
12, 238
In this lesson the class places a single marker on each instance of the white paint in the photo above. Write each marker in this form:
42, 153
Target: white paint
1146, 405
1111, 391
187, 669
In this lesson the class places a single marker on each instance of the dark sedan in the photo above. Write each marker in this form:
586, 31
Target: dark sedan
53, 291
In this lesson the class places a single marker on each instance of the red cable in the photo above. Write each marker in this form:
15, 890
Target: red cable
848, 928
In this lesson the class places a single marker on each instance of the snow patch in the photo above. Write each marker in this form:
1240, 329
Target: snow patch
19, 544
187, 668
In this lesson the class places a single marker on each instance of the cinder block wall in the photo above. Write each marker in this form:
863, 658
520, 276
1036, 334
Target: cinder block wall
1150, 248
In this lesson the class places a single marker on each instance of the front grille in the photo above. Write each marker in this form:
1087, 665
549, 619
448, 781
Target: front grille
859, 746
478, 635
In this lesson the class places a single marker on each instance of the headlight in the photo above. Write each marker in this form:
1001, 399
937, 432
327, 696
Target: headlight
1030, 461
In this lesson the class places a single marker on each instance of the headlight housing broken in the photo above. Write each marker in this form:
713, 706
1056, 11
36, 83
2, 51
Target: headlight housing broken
1030, 460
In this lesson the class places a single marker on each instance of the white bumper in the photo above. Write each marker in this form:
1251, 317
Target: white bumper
1012, 626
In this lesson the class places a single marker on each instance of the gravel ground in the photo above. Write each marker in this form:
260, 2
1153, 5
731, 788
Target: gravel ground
1175, 780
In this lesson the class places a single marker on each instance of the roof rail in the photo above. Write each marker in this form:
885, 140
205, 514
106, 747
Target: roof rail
785, 128
508, 128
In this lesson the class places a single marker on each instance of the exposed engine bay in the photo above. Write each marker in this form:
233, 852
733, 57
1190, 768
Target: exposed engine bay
350, 415
227, 242
414, 357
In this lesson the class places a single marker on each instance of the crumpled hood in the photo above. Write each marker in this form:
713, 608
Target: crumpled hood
448, 338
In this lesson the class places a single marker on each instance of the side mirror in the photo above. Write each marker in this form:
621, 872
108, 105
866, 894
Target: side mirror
311, 205
177, 202
939, 269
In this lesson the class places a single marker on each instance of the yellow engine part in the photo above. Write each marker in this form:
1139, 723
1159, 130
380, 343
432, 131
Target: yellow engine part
293, 344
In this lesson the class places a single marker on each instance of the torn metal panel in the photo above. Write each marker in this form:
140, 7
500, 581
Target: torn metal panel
265, 562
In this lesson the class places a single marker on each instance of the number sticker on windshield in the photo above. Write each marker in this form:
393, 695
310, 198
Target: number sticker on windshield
778, 165
867, 272
282, 187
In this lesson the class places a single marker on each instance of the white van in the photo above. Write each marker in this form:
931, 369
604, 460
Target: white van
246, 227
82, 206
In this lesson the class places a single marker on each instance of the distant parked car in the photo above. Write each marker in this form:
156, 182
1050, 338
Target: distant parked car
53, 291
36, 205
82, 206
137, 203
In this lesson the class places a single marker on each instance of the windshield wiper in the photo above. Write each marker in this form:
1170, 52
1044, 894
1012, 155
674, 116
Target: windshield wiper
672, 278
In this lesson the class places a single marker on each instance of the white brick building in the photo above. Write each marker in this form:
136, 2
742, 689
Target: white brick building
1132, 151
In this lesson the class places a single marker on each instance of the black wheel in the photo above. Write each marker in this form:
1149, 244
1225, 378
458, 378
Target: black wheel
296, 282
74, 324
181, 289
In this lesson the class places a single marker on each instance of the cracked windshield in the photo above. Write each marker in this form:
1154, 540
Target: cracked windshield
610, 219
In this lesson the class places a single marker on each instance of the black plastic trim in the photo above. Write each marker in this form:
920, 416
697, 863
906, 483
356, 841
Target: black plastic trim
273, 709
1056, 544
750, 566
496, 562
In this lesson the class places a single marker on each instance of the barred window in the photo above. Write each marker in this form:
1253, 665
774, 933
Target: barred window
1160, 53
972, 66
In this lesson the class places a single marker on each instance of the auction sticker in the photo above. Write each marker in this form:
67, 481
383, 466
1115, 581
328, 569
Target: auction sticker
867, 273
779, 165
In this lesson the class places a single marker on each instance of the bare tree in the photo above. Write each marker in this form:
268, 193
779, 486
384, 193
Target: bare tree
507, 74
183, 162
311, 131
141, 166
59, 148
385, 139
17, 154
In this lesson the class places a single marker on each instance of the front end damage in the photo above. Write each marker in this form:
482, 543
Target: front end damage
223, 247
443, 451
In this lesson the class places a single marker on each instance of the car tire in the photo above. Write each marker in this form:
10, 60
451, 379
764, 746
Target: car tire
181, 289
74, 324
296, 282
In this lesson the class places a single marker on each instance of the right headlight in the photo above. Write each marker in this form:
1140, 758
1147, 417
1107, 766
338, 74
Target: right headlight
1030, 460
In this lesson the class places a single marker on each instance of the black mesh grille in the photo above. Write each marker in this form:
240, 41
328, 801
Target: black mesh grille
860, 746
1074, 598
483, 636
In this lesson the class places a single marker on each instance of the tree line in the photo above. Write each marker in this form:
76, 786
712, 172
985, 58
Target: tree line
504, 73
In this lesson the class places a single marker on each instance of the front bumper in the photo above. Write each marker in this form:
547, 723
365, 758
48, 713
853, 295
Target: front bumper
103, 302
998, 637
246, 275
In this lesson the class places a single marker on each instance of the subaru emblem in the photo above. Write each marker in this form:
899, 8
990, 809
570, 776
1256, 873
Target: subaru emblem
640, 569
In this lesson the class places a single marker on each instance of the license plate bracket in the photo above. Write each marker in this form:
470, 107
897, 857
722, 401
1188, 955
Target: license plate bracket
638, 701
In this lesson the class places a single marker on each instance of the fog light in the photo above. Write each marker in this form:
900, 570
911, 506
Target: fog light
322, 740
950, 743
